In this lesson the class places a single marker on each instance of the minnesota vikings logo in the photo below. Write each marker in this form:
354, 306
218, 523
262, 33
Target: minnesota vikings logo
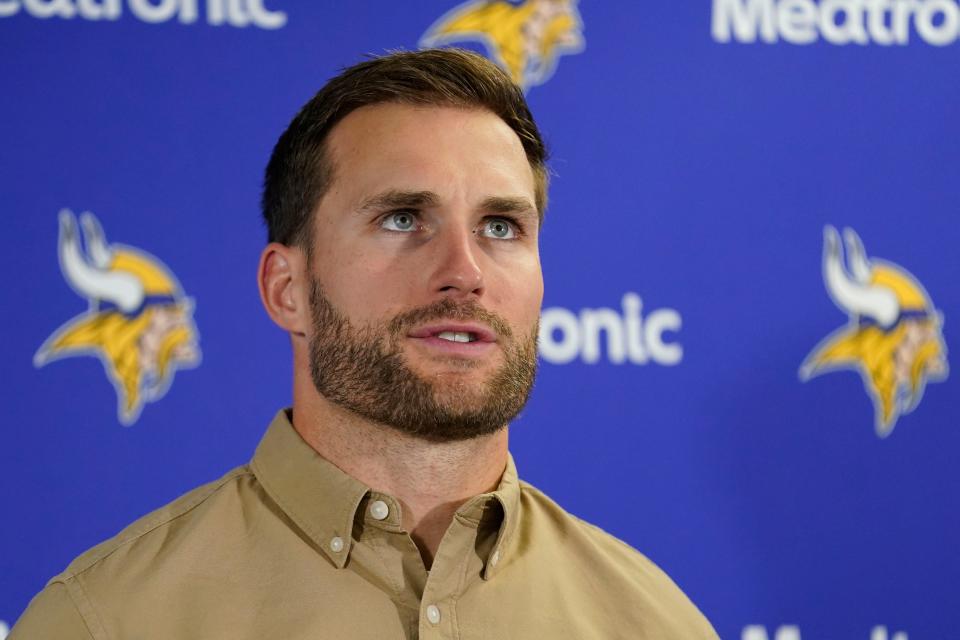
524, 37
894, 338
139, 323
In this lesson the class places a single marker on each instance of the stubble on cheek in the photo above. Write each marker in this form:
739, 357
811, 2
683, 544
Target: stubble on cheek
368, 371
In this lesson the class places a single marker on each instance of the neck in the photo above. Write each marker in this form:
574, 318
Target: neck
431, 480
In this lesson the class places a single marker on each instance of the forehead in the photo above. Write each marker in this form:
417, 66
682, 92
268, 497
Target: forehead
445, 149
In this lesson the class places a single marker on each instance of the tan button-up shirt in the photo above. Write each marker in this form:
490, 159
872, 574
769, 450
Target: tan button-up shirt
290, 547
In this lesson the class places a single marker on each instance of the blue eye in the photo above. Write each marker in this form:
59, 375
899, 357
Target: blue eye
400, 221
499, 228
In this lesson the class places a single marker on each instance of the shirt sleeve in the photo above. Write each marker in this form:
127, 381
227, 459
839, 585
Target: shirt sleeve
51, 615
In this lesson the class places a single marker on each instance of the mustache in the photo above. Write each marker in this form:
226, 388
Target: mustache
448, 309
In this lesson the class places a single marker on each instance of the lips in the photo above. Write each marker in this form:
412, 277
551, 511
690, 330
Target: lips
455, 339
459, 332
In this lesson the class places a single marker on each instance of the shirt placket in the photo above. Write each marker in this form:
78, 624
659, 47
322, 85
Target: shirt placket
450, 574
389, 556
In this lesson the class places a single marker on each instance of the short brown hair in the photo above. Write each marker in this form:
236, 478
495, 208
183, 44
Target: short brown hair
299, 171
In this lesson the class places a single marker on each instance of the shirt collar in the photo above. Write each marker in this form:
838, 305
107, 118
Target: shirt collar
323, 500
320, 498
506, 516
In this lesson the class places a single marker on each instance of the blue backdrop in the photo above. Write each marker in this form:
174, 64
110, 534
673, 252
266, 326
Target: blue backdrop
702, 156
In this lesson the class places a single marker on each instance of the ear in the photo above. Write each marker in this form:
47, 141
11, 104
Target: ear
283, 281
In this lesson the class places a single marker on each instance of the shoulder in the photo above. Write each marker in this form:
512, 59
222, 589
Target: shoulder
146, 559
146, 535
542, 513
612, 568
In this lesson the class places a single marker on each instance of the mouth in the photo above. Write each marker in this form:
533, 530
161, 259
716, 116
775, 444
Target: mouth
455, 332
455, 338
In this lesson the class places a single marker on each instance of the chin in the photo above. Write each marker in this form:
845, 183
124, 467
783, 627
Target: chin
458, 389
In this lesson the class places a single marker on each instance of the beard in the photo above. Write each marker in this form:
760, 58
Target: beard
365, 371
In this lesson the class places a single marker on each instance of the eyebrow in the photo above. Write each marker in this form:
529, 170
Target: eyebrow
396, 199
521, 207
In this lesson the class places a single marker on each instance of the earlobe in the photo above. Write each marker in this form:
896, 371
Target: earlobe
280, 277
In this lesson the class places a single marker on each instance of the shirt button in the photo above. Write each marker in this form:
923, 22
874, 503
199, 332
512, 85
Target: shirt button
379, 510
433, 614
495, 558
336, 544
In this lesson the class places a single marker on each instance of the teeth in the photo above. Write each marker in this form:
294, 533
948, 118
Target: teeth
456, 336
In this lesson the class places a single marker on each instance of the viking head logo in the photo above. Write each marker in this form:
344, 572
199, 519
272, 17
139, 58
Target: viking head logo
894, 337
138, 321
524, 37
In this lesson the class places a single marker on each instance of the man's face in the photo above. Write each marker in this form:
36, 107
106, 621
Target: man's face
426, 281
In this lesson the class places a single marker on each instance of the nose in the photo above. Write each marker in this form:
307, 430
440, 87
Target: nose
456, 271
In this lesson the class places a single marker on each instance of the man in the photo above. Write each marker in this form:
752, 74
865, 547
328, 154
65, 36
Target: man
403, 206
